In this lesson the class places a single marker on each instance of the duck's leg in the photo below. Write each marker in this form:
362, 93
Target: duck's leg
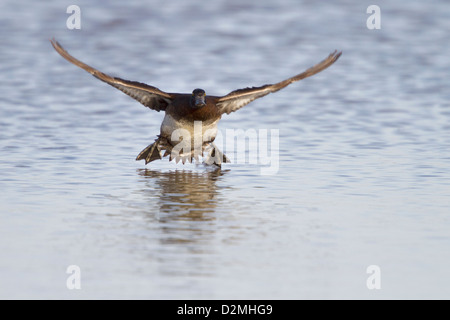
151, 152
216, 157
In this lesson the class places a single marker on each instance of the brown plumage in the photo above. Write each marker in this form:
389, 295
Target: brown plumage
185, 111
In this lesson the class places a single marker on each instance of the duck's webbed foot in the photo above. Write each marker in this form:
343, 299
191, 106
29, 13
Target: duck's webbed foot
216, 157
151, 152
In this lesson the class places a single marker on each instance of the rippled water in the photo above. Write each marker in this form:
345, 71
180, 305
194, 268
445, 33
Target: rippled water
364, 152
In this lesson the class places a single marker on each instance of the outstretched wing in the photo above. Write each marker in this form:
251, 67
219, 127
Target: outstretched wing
239, 98
147, 95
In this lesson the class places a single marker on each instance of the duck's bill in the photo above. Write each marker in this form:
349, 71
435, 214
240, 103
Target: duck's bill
200, 102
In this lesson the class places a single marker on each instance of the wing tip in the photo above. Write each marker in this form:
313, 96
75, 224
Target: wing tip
54, 42
57, 46
335, 55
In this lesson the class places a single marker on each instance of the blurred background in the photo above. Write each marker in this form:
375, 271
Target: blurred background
364, 150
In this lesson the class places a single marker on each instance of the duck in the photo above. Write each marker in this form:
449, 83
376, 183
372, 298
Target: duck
189, 127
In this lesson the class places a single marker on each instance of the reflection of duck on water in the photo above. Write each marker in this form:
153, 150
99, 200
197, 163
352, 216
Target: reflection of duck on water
187, 199
188, 192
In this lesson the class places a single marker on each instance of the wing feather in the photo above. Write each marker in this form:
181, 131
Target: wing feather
239, 98
149, 96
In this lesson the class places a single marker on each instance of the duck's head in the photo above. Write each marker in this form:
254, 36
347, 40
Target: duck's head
198, 98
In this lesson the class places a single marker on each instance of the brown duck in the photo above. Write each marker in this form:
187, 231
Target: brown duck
190, 115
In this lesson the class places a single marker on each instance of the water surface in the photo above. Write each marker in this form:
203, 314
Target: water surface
364, 151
